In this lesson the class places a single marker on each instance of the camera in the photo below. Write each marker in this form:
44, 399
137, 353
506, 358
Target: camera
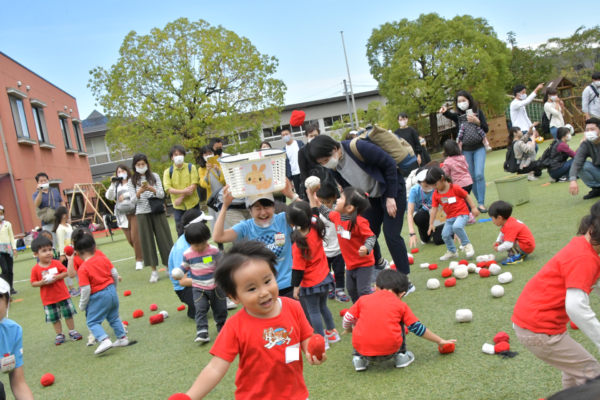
116, 179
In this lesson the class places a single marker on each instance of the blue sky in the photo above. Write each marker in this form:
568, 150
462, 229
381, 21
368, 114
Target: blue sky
63, 42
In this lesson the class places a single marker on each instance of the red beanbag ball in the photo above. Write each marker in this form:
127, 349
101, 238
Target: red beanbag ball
450, 282
127, 293
47, 379
502, 346
125, 323
393, 266
481, 264
180, 396
297, 118
441, 165
433, 266
463, 262
501, 337
138, 314
316, 346
446, 273
343, 312
181, 308
489, 263
414, 251
153, 307
484, 273
573, 326
156, 319
411, 261
69, 250
447, 348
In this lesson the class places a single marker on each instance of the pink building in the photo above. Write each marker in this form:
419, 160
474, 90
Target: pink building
40, 131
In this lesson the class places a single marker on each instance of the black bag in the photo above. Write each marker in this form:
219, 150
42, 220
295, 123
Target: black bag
111, 221
546, 122
157, 206
510, 163
544, 161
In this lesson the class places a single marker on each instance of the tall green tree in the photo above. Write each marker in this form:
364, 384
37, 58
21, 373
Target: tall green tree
186, 83
421, 64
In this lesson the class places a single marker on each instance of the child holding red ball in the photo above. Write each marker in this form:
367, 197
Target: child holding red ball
267, 334
515, 237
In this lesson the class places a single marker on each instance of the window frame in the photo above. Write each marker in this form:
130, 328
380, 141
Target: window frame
39, 120
14, 102
66, 133
77, 131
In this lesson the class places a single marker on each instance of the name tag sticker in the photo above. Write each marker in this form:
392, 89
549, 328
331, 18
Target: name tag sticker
279, 239
8, 363
292, 353
345, 234
53, 271
207, 259
451, 200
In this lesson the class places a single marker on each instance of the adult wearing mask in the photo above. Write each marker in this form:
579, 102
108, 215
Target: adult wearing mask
147, 193
217, 145
380, 178
473, 146
180, 182
46, 200
588, 171
518, 111
419, 206
590, 98
411, 136
524, 150
309, 168
554, 109
125, 211
292, 167
560, 165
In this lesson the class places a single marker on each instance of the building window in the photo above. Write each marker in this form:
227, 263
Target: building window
18, 111
64, 126
97, 151
40, 124
77, 131
329, 121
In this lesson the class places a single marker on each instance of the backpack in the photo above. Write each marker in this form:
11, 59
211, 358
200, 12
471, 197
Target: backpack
545, 160
510, 163
595, 92
171, 170
546, 122
396, 147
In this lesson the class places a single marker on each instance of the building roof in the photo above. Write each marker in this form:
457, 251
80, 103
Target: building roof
95, 122
329, 100
39, 76
561, 81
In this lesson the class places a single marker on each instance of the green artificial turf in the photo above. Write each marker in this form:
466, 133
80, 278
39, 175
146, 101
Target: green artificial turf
166, 360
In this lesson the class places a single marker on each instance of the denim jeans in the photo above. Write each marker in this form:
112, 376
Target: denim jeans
562, 171
317, 307
590, 175
553, 131
104, 305
214, 298
476, 161
456, 226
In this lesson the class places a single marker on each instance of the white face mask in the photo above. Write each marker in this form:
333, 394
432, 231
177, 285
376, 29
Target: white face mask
141, 170
522, 96
122, 176
332, 163
287, 138
553, 98
592, 136
178, 160
597, 83
403, 123
309, 140
568, 137
428, 190
1, 217
463, 105
207, 157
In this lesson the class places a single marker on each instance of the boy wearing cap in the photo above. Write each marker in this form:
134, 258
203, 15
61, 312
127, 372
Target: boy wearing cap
8, 250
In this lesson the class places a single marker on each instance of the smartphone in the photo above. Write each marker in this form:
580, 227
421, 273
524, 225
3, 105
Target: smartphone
144, 183
469, 112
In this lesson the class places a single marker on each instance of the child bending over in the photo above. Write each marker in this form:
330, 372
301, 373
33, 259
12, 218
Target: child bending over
515, 237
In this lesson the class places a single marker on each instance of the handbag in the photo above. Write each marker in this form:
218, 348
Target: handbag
46, 214
157, 205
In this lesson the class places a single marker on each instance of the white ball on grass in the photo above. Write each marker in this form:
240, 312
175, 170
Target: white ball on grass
453, 265
491, 257
505, 277
165, 314
488, 349
497, 291
464, 315
425, 265
433, 284
471, 268
495, 269
312, 182
477, 270
482, 259
177, 273
461, 273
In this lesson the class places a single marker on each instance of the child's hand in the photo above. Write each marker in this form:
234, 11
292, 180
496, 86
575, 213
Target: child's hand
362, 251
431, 229
443, 342
496, 246
312, 360
296, 291
227, 197
71, 257
475, 211
120, 278
347, 330
288, 191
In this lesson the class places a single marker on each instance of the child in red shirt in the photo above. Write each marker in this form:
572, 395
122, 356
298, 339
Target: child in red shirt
267, 334
49, 275
456, 167
379, 321
515, 237
354, 236
98, 280
310, 272
451, 197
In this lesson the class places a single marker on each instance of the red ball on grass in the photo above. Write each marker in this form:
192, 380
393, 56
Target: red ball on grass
502, 346
138, 314
47, 379
450, 282
433, 266
447, 348
181, 308
463, 262
125, 323
343, 312
446, 273
484, 273
501, 337
481, 264
69, 250
156, 319
414, 251
127, 293
393, 266
180, 396
411, 261
316, 346
153, 307
490, 263
573, 326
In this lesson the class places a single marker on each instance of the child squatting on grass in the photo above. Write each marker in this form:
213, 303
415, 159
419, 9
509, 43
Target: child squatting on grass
377, 323
515, 237
267, 334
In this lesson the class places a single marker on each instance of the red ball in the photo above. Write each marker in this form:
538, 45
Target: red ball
446, 273
501, 337
138, 314
447, 348
450, 282
481, 264
393, 266
127, 293
156, 319
573, 326
180, 396
484, 273
69, 250
489, 263
502, 346
433, 266
441, 165
125, 323
463, 262
47, 379
316, 346
343, 312
297, 118
414, 251
153, 307
411, 260
181, 308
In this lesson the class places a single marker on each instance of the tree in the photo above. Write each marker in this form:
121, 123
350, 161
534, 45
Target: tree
421, 64
373, 115
185, 84
528, 67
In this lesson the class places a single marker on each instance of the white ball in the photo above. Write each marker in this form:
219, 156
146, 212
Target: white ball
389, 266
505, 277
483, 258
464, 315
425, 265
453, 265
49, 277
495, 269
165, 314
461, 273
312, 182
491, 257
477, 270
488, 349
497, 291
471, 268
177, 273
433, 284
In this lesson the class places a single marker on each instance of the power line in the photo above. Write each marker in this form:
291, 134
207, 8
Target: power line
312, 95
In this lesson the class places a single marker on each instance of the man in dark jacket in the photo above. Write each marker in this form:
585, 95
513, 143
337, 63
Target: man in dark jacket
588, 171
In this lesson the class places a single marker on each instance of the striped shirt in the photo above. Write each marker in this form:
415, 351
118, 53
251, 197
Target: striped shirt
142, 205
201, 267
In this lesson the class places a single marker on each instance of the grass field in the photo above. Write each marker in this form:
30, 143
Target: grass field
166, 359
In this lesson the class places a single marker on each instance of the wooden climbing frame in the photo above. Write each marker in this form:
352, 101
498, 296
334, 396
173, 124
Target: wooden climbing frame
84, 189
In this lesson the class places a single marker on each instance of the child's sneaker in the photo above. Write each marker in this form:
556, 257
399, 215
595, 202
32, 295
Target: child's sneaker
360, 363
449, 255
341, 296
331, 295
469, 251
411, 288
105, 345
513, 260
332, 336
74, 336
404, 359
202, 337
154, 277
121, 342
327, 347
60, 339
75, 292
91, 340
471, 220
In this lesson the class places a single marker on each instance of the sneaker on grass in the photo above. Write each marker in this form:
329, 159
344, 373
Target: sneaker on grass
341, 296
230, 304
105, 345
121, 342
512, 260
469, 251
75, 336
360, 363
75, 292
154, 277
91, 340
404, 359
139, 265
202, 337
332, 336
449, 255
60, 339
331, 295
411, 288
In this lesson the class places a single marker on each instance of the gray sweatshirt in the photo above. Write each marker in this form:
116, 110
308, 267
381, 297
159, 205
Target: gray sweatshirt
586, 150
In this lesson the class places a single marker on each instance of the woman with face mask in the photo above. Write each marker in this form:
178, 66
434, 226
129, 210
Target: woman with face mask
146, 193
554, 109
125, 211
419, 205
518, 111
560, 152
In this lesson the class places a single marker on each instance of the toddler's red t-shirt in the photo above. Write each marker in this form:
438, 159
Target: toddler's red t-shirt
516, 231
78, 261
96, 273
54, 292
350, 242
315, 269
451, 201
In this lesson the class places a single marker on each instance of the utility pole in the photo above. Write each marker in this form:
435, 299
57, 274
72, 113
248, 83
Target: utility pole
349, 78
348, 102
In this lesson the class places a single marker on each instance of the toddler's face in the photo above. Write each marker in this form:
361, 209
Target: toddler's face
497, 220
256, 289
199, 248
45, 254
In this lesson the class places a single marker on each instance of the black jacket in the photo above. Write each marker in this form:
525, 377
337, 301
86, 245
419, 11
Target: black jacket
412, 137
